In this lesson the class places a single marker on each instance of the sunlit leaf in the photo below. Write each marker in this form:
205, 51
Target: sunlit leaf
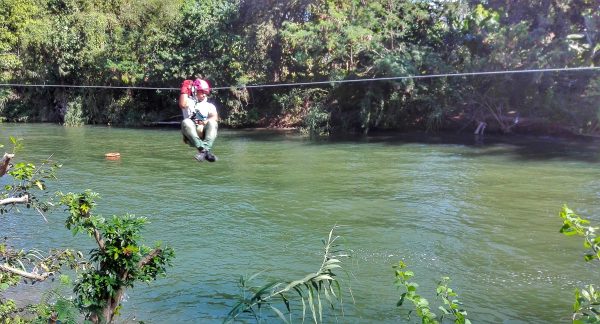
279, 313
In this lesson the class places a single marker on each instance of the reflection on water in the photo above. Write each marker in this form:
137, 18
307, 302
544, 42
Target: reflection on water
483, 212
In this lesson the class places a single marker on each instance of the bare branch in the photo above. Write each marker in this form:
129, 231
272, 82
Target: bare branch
5, 162
18, 200
25, 274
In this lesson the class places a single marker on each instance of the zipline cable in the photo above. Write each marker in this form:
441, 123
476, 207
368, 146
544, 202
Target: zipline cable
330, 82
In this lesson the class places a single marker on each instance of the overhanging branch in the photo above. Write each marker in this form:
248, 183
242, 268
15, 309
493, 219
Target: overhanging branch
15, 200
25, 274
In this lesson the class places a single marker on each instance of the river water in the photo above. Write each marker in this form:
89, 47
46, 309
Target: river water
483, 212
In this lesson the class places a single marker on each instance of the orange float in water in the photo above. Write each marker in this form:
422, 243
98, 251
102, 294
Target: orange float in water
112, 156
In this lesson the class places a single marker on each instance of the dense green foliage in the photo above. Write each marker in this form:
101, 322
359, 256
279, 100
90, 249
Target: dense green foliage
241, 42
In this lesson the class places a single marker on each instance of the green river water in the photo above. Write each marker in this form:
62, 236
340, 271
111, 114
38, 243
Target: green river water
484, 213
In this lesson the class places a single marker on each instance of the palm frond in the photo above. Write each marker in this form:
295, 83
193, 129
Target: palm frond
309, 290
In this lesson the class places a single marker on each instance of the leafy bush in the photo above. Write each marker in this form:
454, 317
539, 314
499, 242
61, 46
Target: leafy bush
316, 122
74, 114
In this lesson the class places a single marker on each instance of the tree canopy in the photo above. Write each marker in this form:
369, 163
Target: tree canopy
233, 43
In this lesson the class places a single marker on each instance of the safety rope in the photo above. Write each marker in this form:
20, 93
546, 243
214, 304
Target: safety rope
330, 82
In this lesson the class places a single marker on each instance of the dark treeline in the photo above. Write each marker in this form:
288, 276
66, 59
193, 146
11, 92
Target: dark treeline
157, 43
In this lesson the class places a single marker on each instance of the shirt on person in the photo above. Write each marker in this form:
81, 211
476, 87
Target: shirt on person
204, 107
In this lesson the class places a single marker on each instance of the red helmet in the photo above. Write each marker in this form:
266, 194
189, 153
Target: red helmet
201, 86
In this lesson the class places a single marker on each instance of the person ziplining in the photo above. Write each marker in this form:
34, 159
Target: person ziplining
200, 119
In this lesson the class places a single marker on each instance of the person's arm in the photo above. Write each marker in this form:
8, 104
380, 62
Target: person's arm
183, 100
185, 93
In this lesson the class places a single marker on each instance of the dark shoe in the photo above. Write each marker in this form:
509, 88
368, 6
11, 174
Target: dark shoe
201, 156
210, 157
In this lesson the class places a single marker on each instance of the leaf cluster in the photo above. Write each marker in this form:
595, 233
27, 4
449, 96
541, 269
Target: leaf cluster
573, 224
586, 308
451, 307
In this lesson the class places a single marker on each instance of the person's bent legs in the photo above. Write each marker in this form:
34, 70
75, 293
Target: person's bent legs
201, 137
210, 133
188, 129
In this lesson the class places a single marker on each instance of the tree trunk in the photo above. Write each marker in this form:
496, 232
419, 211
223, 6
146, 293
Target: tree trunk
61, 104
5, 163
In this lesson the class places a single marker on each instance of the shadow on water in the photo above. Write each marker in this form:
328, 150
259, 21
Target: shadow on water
520, 147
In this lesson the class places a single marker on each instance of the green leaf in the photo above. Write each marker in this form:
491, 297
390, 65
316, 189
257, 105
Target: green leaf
586, 294
401, 301
279, 313
311, 303
323, 277
320, 307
